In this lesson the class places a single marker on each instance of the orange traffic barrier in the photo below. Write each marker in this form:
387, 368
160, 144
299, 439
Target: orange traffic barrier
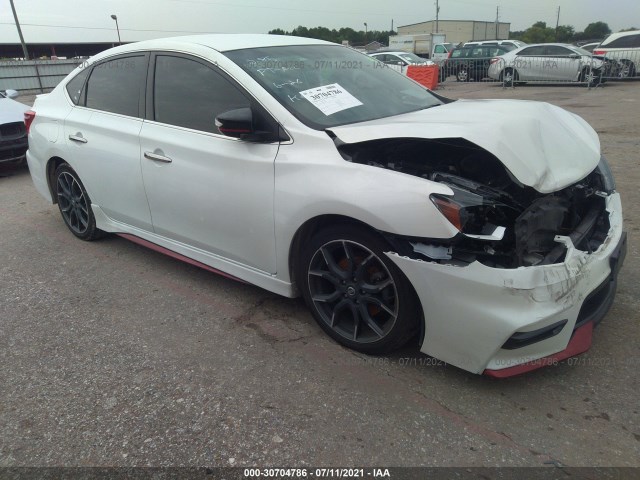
425, 75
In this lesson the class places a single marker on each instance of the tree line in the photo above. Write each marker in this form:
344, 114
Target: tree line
539, 32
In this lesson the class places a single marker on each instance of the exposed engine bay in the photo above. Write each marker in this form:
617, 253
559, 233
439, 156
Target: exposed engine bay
502, 223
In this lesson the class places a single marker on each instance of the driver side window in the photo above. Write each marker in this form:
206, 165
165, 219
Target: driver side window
188, 93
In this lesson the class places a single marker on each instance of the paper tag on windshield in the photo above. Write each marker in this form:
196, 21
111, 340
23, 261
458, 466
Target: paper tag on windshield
331, 99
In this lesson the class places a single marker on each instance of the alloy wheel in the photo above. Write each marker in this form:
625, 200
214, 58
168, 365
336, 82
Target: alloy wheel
353, 291
73, 204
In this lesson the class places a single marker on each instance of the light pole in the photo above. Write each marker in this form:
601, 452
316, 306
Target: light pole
24, 45
115, 17
365, 31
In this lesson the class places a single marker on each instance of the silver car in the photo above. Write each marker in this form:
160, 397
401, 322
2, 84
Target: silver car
549, 62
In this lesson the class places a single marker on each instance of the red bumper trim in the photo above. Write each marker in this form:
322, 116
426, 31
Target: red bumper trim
177, 256
579, 343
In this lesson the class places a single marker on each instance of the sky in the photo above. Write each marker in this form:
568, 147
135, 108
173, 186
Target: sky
46, 21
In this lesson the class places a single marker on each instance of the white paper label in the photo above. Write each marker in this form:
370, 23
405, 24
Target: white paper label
330, 99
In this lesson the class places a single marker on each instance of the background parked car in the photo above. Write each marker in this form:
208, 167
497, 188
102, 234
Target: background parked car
402, 59
625, 48
473, 62
589, 47
512, 43
13, 135
550, 62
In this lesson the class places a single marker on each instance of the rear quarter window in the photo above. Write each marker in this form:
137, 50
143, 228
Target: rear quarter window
75, 86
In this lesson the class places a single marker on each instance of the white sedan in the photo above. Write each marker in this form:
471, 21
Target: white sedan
306, 168
13, 135
549, 62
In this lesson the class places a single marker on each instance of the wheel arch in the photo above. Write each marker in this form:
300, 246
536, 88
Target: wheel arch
309, 228
52, 164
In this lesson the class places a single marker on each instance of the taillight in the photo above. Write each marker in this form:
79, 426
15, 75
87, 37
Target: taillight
494, 60
599, 52
29, 115
450, 52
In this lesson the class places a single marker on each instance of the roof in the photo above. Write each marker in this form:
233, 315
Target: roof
225, 42
464, 21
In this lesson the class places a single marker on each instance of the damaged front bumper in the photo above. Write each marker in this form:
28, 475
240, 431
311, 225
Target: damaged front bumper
504, 322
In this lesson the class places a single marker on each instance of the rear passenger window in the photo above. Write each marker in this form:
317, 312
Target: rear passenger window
532, 51
115, 86
190, 94
74, 87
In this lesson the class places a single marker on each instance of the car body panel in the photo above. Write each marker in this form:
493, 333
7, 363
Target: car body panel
13, 136
489, 305
543, 146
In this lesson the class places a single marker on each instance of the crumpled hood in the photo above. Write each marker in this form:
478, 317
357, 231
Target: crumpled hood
11, 111
543, 146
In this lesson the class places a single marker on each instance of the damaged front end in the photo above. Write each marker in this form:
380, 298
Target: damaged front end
527, 275
501, 222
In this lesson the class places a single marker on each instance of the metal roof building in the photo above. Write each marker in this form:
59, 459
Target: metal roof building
457, 31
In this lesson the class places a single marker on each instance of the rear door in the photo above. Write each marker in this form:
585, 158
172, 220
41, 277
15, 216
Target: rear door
101, 134
206, 190
528, 63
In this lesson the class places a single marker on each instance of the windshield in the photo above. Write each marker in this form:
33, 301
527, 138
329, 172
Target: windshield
329, 85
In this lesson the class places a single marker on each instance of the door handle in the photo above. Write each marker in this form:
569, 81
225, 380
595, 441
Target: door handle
78, 138
157, 158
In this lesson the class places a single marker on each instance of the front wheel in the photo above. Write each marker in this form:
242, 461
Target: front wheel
590, 76
74, 204
462, 75
357, 295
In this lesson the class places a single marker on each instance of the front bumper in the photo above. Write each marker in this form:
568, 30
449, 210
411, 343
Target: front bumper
472, 311
13, 150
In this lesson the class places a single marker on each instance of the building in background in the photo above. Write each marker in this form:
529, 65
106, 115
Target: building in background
457, 31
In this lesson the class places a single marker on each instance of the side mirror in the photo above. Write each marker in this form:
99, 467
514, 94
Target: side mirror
12, 93
235, 123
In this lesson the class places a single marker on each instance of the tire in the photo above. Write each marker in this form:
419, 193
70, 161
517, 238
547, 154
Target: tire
628, 69
357, 295
509, 77
462, 75
590, 77
74, 204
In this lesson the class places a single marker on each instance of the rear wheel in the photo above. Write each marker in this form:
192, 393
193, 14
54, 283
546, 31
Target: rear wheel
357, 295
628, 69
509, 77
74, 204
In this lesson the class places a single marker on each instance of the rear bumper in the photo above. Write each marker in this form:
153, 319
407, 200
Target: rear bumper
471, 312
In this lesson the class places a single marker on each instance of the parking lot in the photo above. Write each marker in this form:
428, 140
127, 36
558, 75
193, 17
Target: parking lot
114, 355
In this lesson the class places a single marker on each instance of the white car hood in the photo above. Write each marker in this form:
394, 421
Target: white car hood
543, 146
11, 111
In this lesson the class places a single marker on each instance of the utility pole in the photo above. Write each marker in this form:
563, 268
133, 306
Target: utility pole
437, 14
24, 45
392, 24
557, 23
497, 20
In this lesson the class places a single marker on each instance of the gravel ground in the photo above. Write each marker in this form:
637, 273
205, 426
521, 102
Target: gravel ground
114, 355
